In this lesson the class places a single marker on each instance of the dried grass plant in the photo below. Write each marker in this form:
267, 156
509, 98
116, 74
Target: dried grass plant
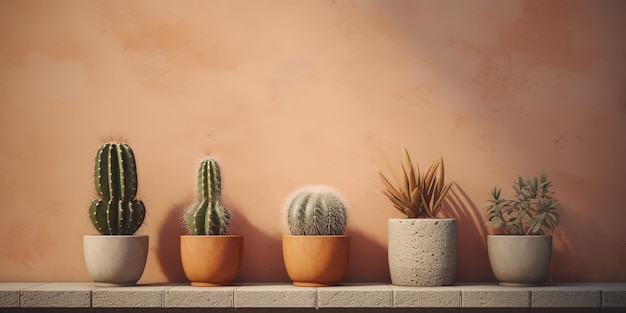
419, 195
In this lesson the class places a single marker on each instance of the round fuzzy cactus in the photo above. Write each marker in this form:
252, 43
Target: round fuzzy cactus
115, 179
316, 211
207, 216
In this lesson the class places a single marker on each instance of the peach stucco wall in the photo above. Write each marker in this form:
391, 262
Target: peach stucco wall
287, 93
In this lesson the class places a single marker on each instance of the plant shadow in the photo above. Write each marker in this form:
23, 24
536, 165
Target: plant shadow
262, 256
168, 253
262, 252
472, 246
368, 259
563, 249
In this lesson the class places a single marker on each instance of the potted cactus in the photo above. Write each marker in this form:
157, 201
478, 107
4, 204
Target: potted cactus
209, 255
316, 251
521, 256
116, 257
421, 247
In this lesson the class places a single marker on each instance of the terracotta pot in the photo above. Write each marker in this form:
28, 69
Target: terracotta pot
316, 261
115, 260
422, 251
519, 260
211, 260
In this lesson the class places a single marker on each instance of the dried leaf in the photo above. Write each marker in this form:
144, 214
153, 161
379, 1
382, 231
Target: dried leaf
419, 194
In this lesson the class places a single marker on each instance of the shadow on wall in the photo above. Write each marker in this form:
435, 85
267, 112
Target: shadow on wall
572, 233
168, 253
562, 252
472, 246
262, 252
263, 259
368, 259
262, 255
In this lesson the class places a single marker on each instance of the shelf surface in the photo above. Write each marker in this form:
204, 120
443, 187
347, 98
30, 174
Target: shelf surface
284, 295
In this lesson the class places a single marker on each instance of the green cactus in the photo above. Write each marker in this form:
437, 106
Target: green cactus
207, 216
115, 179
316, 211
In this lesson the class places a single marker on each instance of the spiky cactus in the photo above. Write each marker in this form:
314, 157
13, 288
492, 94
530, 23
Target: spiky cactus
316, 211
207, 216
117, 212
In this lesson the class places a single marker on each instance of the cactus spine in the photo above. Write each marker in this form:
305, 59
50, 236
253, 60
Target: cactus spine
207, 216
316, 211
117, 212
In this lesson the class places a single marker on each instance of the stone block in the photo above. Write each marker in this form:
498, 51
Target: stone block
57, 295
140, 296
426, 297
199, 297
275, 296
355, 296
614, 299
567, 296
494, 296
613, 295
10, 293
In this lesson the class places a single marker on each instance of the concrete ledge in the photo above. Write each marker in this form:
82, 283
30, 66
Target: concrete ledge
614, 299
350, 297
57, 295
495, 296
10, 293
567, 296
426, 297
275, 296
355, 296
199, 297
141, 296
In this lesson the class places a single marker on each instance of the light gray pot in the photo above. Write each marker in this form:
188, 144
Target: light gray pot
115, 260
422, 252
519, 260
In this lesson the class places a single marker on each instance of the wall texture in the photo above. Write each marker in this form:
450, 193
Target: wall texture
287, 93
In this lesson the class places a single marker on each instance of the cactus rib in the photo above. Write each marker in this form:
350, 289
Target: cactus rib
115, 179
207, 216
115, 172
315, 211
117, 217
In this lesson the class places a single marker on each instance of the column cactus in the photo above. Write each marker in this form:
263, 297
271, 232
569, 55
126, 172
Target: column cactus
207, 216
116, 212
316, 211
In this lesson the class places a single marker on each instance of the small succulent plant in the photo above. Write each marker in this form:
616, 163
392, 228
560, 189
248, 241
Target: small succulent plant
207, 216
316, 211
532, 211
116, 212
420, 195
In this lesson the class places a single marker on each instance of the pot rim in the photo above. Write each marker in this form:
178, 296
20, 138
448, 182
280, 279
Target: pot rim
317, 236
517, 236
114, 236
423, 218
211, 236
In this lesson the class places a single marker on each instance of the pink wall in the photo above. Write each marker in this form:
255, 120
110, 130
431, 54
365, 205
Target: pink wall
287, 93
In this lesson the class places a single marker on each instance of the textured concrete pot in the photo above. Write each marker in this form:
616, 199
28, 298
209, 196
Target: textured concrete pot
519, 260
316, 261
422, 252
115, 260
211, 260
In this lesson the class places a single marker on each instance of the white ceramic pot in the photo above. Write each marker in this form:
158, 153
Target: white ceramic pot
422, 252
115, 260
519, 260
